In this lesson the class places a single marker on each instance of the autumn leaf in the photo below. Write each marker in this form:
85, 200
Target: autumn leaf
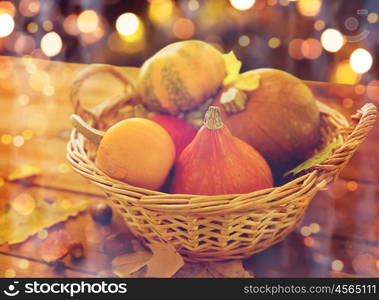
27, 216
247, 82
233, 66
314, 160
163, 261
55, 246
24, 172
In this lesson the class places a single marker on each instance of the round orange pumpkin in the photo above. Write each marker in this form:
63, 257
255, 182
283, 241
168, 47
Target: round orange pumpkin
181, 77
280, 119
137, 151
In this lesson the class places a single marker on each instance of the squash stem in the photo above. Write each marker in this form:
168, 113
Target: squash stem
212, 119
89, 132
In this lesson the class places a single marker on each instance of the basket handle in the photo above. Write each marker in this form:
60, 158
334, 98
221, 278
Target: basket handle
364, 121
90, 115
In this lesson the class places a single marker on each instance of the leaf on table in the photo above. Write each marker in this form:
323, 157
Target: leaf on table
55, 246
27, 216
166, 261
232, 66
24, 172
162, 261
314, 160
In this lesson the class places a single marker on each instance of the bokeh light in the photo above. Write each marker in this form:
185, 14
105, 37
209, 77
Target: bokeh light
294, 49
274, 42
319, 25
88, 21
70, 24
127, 24
51, 44
160, 11
24, 204
361, 60
372, 17
242, 4
183, 28
337, 265
6, 24
29, 8
343, 73
332, 40
309, 8
244, 41
311, 49
7, 7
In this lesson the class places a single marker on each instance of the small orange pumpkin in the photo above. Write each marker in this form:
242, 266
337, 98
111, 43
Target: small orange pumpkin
181, 77
136, 151
216, 162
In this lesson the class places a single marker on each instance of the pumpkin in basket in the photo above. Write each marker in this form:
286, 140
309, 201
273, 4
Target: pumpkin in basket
279, 117
216, 163
136, 151
181, 77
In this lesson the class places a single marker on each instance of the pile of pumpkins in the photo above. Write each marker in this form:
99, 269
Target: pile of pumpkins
256, 125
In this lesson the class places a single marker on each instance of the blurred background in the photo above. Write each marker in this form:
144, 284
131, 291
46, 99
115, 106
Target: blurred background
335, 41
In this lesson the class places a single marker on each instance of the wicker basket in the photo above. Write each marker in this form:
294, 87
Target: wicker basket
213, 228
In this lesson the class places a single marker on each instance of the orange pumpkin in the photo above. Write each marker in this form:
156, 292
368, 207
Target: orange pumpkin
280, 119
137, 151
216, 162
181, 77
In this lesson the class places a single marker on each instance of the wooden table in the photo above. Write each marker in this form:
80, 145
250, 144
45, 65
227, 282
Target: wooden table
339, 235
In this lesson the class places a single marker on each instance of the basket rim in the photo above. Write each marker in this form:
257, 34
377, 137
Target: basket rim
315, 180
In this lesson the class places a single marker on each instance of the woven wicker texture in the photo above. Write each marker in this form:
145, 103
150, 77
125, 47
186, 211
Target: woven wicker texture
213, 228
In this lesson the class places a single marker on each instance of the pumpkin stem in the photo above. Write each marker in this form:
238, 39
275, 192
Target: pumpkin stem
140, 111
233, 100
89, 132
212, 119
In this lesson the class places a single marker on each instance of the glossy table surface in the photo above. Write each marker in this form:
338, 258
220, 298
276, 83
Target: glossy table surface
339, 236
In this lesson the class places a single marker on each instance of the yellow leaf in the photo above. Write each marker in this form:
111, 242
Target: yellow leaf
233, 66
247, 82
166, 261
16, 227
23, 172
126, 264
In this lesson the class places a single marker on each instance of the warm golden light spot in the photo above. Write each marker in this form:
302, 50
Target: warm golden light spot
347, 102
344, 74
6, 24
24, 204
27, 134
43, 234
9, 273
127, 24
305, 231
32, 27
274, 42
23, 264
6, 139
372, 17
88, 21
51, 44
332, 40
29, 8
352, 186
308, 8
242, 4
193, 5
38, 80
183, 28
244, 41
272, 2
2, 181
361, 60
314, 227
7, 7
319, 25
18, 141
337, 265
160, 11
